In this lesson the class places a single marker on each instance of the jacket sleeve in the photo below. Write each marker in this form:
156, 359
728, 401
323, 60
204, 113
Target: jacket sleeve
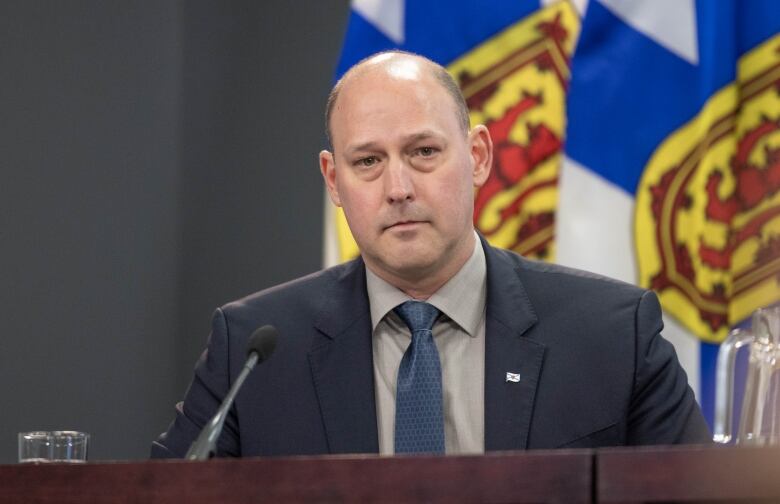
202, 399
663, 409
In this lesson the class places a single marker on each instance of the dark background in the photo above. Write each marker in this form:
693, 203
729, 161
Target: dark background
157, 159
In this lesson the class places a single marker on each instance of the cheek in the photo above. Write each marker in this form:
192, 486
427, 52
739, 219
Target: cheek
359, 205
456, 198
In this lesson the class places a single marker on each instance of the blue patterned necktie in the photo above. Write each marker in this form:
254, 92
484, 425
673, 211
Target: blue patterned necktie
419, 416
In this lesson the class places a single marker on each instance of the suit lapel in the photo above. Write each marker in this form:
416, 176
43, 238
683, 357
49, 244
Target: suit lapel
508, 403
341, 362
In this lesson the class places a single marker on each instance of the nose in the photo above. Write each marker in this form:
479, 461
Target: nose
399, 186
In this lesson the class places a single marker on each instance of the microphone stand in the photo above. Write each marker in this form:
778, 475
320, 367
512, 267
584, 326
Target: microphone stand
205, 446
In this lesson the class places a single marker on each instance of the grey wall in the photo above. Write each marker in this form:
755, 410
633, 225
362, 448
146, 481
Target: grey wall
157, 159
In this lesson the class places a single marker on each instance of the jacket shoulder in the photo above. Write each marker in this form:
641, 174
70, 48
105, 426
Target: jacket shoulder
554, 277
305, 292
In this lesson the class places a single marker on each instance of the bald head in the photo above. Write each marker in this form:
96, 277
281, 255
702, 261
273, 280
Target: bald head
403, 66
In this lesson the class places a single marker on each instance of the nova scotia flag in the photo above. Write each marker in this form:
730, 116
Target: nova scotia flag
671, 173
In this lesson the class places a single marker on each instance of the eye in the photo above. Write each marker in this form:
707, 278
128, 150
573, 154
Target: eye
426, 151
367, 162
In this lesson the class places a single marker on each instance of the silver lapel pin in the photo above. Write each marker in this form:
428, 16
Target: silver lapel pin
513, 377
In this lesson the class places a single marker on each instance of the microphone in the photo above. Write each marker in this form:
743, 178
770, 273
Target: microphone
260, 347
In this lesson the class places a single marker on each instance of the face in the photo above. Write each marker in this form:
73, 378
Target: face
404, 172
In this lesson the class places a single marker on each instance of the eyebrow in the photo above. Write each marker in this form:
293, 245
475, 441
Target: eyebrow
367, 146
424, 135
414, 137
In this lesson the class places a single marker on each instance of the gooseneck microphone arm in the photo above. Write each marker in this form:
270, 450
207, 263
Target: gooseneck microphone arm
205, 445
261, 345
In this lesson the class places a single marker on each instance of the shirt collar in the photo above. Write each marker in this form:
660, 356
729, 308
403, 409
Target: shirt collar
462, 298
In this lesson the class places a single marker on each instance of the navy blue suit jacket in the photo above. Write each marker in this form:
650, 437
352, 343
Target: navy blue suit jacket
594, 369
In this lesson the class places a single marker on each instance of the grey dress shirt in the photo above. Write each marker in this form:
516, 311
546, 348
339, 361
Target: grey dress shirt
459, 334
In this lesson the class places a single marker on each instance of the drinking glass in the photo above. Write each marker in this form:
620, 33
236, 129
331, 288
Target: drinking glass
40, 447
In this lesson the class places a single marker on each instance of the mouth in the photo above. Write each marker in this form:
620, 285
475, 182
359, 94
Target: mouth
404, 225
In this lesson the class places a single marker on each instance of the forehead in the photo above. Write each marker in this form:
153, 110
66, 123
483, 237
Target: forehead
396, 100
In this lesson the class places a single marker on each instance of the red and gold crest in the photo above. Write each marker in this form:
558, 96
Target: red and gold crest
707, 224
515, 84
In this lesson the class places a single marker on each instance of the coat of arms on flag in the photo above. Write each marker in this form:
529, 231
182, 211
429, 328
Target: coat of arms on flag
708, 206
515, 84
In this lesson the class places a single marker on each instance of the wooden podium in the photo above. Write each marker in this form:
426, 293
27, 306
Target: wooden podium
688, 474
662, 474
563, 476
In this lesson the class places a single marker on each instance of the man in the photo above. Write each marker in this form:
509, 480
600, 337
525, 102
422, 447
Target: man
502, 353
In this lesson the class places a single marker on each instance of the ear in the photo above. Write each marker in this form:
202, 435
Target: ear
328, 169
481, 146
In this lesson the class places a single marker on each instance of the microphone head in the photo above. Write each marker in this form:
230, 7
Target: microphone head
262, 342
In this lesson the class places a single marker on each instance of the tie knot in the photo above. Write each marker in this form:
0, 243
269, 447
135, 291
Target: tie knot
417, 315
